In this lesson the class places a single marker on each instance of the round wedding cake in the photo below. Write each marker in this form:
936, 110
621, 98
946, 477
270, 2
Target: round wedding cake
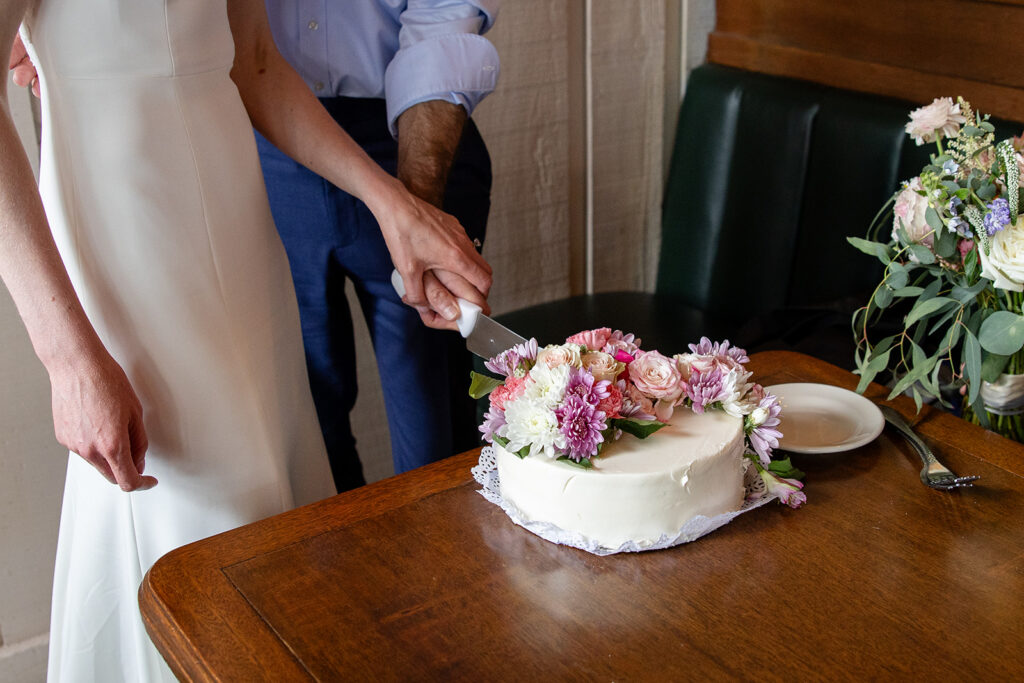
638, 490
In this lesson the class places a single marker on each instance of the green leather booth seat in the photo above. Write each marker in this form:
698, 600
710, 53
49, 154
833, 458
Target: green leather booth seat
768, 177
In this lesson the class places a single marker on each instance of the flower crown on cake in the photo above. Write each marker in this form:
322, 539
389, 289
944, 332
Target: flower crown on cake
566, 401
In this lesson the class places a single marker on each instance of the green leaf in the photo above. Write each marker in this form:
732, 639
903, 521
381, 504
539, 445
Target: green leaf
1002, 333
883, 296
922, 253
972, 131
908, 291
972, 365
987, 127
784, 468
992, 365
966, 294
987, 191
945, 243
877, 363
583, 464
931, 216
876, 249
897, 279
482, 385
927, 307
641, 429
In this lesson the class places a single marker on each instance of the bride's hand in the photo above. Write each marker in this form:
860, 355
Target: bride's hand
421, 238
23, 70
97, 415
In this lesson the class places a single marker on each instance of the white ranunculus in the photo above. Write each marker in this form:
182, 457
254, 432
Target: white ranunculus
532, 423
1004, 264
546, 384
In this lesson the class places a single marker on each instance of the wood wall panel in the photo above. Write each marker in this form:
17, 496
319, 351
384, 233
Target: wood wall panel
915, 50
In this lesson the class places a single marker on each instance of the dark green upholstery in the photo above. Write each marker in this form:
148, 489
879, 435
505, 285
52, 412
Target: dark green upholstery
768, 178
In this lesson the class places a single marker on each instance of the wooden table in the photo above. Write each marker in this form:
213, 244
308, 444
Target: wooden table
419, 578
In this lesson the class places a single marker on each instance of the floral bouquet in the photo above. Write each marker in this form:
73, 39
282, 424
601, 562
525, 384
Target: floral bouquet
955, 257
567, 401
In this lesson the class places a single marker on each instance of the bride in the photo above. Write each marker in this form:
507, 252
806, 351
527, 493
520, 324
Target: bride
157, 295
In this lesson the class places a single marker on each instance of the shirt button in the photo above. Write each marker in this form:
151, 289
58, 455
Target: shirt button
319, 85
313, 25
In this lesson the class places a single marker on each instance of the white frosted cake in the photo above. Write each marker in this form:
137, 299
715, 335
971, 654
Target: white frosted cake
603, 445
639, 489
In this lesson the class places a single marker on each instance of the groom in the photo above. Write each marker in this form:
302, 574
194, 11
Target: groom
403, 82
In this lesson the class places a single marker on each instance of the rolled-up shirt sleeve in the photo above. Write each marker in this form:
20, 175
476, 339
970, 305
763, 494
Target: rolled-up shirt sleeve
442, 55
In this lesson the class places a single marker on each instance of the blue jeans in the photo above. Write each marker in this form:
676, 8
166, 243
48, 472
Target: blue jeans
332, 237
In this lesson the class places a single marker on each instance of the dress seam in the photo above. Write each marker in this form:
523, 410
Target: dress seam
247, 363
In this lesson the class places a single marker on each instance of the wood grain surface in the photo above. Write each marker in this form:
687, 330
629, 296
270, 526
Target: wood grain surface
419, 578
914, 50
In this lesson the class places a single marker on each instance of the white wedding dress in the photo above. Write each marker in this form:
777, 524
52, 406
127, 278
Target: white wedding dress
154, 193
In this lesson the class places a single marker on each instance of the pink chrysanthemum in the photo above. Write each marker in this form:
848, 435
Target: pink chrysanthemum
581, 423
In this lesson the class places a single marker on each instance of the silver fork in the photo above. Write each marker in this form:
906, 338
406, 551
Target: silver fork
934, 473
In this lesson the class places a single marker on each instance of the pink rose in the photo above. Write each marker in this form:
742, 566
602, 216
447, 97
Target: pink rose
566, 354
656, 376
594, 340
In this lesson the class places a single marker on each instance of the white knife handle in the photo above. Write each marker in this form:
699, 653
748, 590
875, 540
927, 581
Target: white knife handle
468, 311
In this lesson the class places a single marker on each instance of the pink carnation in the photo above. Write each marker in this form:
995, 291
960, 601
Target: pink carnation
509, 391
594, 340
612, 404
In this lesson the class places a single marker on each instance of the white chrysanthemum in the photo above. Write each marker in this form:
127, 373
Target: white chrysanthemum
532, 423
547, 385
738, 400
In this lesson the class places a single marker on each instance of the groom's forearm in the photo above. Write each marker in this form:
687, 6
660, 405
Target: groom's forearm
428, 137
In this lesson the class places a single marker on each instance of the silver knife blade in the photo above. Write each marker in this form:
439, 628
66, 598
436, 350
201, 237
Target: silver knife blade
488, 338
484, 337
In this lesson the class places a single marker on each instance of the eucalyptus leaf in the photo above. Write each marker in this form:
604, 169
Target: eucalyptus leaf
897, 279
876, 249
883, 296
927, 307
967, 294
992, 365
1002, 333
908, 291
972, 365
945, 243
972, 131
922, 253
583, 464
987, 191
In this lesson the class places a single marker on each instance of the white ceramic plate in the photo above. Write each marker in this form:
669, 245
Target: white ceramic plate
821, 418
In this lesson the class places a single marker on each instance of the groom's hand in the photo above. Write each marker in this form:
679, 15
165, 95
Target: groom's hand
23, 70
443, 312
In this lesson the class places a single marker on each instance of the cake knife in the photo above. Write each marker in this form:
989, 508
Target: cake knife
484, 337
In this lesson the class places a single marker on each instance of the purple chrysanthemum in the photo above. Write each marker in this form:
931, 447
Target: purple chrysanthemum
705, 388
764, 437
998, 216
581, 424
708, 348
519, 357
494, 420
582, 384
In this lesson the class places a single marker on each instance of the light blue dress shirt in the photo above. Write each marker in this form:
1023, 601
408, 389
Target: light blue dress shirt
405, 51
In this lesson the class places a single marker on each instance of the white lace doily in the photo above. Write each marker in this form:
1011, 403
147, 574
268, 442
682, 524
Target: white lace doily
486, 474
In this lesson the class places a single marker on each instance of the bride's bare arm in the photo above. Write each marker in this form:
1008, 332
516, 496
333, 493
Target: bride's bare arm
419, 237
96, 414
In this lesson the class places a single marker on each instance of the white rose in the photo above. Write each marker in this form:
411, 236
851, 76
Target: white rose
554, 355
1004, 264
